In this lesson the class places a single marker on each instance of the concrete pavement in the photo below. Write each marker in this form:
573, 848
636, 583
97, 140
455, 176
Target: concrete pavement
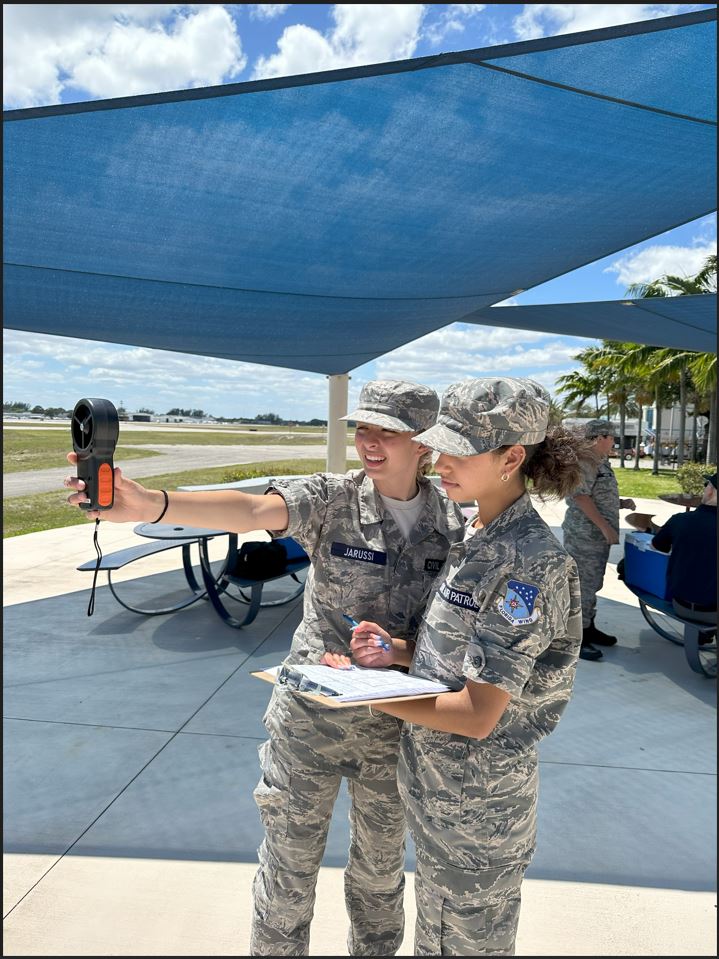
130, 758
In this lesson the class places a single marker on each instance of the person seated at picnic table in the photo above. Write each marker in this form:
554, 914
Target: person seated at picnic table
690, 539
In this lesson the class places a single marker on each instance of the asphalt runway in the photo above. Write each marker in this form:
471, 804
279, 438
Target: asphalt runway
172, 459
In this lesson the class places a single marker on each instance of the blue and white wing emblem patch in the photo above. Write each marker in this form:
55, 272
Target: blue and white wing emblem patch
517, 605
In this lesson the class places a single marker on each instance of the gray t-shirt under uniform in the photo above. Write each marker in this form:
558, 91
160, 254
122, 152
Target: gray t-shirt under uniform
405, 513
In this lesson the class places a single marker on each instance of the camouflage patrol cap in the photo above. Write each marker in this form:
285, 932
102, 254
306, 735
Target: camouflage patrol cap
396, 405
596, 428
479, 415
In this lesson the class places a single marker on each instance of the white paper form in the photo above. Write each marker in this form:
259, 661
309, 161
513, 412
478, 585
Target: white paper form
355, 683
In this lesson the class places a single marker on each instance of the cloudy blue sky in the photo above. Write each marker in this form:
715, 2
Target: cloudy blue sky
71, 52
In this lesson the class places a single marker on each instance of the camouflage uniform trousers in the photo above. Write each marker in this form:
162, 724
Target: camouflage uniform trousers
309, 751
590, 551
475, 835
463, 912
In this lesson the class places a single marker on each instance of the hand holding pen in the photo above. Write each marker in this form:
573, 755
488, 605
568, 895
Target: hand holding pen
379, 640
372, 646
368, 648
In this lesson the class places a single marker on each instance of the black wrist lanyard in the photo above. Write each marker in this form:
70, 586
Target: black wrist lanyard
96, 544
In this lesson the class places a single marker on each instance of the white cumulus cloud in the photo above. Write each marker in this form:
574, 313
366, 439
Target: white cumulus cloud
463, 350
57, 370
267, 11
452, 20
110, 50
363, 33
551, 19
655, 261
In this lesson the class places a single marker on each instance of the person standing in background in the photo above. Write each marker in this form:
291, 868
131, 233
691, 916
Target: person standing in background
591, 527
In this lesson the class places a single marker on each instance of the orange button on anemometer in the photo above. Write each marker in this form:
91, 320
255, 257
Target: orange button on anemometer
104, 485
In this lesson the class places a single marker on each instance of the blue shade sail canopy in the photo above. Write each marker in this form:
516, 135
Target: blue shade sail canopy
680, 322
317, 222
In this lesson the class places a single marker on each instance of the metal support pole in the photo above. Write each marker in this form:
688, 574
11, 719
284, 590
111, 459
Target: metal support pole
336, 430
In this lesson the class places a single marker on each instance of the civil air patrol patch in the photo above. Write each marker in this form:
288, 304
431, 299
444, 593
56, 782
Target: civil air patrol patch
457, 597
517, 604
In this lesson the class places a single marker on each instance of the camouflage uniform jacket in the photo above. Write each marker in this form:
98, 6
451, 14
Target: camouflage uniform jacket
361, 563
506, 610
600, 483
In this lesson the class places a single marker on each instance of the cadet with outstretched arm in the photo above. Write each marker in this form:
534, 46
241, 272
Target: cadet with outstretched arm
377, 538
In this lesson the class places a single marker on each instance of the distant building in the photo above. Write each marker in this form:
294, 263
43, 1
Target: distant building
172, 418
24, 416
670, 426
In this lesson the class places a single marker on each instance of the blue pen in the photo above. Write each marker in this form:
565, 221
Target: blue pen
354, 624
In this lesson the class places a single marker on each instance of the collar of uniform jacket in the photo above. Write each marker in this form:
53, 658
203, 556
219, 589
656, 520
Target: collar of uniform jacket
499, 524
370, 505
444, 520
371, 509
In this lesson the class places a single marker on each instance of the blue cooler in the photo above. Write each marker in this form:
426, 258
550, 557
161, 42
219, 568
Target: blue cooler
645, 567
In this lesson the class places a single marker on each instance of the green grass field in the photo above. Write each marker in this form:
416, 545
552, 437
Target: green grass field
41, 511
243, 427
44, 448
641, 482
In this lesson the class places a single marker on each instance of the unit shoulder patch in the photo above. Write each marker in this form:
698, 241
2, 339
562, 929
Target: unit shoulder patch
517, 605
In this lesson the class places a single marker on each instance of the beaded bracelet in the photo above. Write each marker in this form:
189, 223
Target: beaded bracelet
164, 508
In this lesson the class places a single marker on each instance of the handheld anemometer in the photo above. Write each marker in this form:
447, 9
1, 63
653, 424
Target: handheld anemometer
95, 428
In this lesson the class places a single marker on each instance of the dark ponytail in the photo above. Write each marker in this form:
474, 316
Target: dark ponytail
554, 466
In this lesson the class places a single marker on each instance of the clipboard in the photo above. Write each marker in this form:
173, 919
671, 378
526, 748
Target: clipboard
270, 676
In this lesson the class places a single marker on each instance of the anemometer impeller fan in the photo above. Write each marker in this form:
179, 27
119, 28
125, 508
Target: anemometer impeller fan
95, 427
81, 427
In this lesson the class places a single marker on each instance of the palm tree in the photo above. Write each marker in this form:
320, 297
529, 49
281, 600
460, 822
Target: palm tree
620, 382
556, 413
579, 386
643, 396
605, 362
641, 362
705, 281
619, 395
676, 363
703, 372
706, 278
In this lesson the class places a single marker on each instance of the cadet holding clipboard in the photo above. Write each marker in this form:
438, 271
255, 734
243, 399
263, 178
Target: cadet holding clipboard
377, 538
502, 629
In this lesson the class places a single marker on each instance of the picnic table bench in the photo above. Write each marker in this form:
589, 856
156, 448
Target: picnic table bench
111, 562
214, 586
698, 639
218, 593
